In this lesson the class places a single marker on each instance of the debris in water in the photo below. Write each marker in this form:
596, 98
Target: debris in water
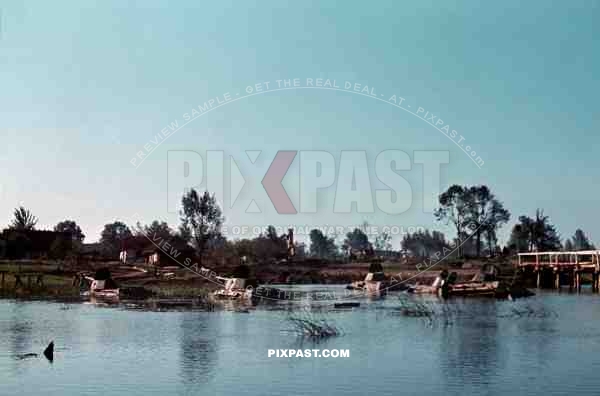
306, 324
49, 352
346, 305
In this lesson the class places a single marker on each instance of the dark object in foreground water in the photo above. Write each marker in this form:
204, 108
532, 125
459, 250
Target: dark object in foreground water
26, 356
49, 352
346, 305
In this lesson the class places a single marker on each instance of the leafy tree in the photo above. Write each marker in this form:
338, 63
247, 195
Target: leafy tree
580, 241
534, 234
272, 234
201, 219
243, 248
69, 226
474, 208
357, 240
270, 246
24, 220
320, 245
519, 238
66, 246
383, 241
156, 230
569, 246
454, 208
62, 247
494, 216
113, 235
424, 243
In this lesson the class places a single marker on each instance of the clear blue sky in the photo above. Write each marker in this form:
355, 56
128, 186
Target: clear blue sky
84, 85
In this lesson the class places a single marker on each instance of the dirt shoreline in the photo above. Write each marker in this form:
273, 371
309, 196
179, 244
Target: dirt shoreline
174, 282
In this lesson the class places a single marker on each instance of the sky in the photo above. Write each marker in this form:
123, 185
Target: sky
85, 86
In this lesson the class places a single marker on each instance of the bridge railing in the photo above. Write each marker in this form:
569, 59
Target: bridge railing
559, 258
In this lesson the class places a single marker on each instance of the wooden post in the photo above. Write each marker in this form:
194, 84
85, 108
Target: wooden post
596, 273
539, 277
557, 279
573, 280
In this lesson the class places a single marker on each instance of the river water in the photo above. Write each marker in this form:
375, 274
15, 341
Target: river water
545, 345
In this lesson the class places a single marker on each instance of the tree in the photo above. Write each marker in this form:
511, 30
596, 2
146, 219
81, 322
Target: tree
383, 241
270, 246
201, 219
69, 241
69, 226
495, 217
580, 241
62, 247
114, 235
454, 208
272, 234
357, 241
534, 234
486, 215
320, 245
476, 208
519, 238
24, 220
425, 244
569, 246
156, 230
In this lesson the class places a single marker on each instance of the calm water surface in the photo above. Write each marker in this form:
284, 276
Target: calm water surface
485, 348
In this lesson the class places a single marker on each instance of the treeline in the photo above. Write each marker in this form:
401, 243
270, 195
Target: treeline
474, 213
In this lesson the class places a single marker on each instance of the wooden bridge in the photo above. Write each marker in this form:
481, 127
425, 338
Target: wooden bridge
570, 265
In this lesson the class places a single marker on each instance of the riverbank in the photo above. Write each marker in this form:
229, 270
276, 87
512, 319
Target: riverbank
139, 282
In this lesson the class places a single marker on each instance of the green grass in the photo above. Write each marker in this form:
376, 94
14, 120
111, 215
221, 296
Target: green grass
53, 286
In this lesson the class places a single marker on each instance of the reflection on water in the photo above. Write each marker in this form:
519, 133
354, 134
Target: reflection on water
470, 351
198, 348
20, 328
485, 347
